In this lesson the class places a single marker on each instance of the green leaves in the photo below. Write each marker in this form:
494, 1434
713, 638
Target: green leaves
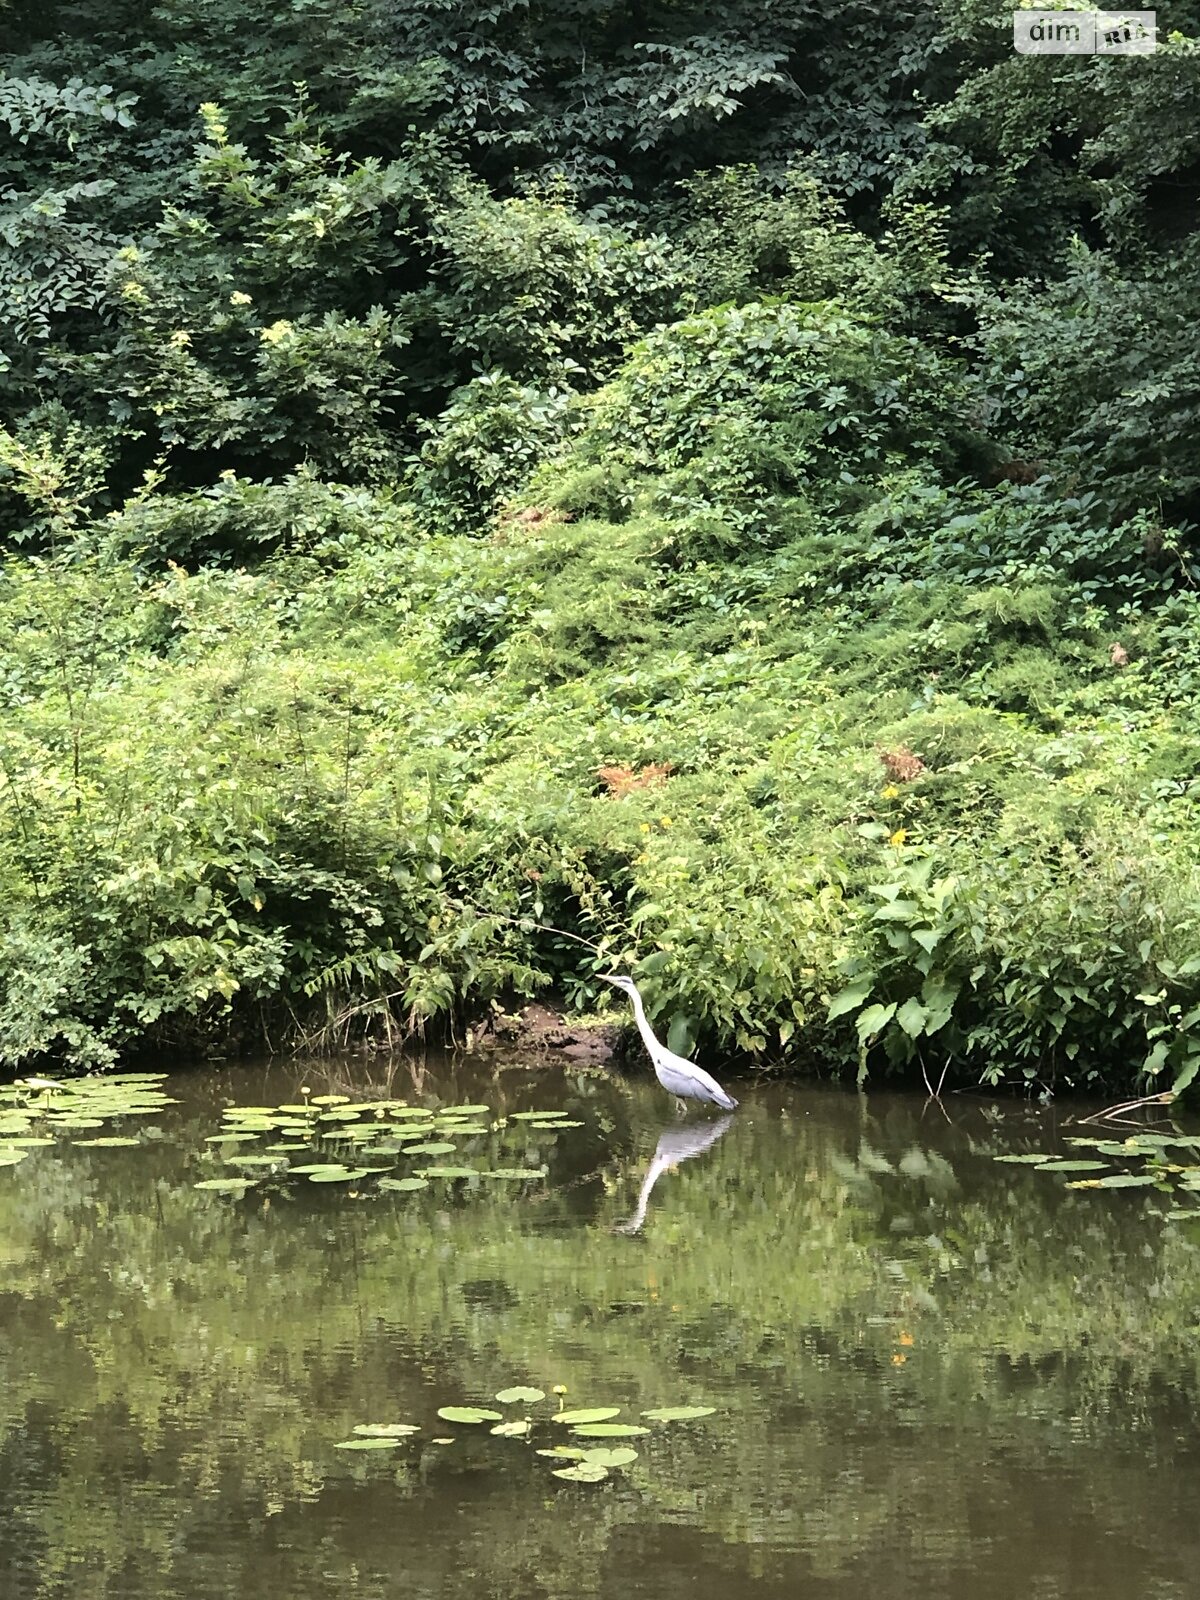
850, 998
679, 1413
608, 1430
585, 1472
873, 1020
468, 1414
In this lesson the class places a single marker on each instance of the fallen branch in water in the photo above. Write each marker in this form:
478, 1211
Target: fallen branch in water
1165, 1098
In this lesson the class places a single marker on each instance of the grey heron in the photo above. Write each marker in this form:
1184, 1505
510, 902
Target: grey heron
679, 1077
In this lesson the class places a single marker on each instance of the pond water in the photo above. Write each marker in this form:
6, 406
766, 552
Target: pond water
932, 1375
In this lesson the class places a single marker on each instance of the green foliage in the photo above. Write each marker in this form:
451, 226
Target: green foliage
470, 474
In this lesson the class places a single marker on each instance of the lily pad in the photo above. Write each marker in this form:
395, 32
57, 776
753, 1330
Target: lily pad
1074, 1166
262, 1160
511, 1430
679, 1413
465, 1111
404, 1185
468, 1414
512, 1397
621, 1456
1117, 1180
343, 1175
330, 1100
113, 1142
430, 1150
230, 1138
448, 1172
585, 1472
367, 1444
610, 1430
385, 1430
554, 1127
572, 1419
565, 1452
1026, 1160
10, 1158
515, 1174
225, 1185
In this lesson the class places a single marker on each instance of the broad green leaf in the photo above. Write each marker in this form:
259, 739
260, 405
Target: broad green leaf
570, 1419
1074, 1166
520, 1396
850, 998
468, 1414
1118, 1180
585, 1472
609, 1430
679, 1413
873, 1019
621, 1456
912, 1017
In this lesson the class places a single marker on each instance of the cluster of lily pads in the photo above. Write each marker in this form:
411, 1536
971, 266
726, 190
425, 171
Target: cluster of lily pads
582, 1463
42, 1111
328, 1138
1168, 1162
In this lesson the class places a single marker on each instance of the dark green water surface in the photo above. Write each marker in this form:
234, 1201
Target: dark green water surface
935, 1377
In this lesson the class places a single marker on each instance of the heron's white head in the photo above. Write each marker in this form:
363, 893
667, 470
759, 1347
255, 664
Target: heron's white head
621, 982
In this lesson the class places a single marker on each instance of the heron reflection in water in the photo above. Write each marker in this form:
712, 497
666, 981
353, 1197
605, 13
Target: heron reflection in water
675, 1144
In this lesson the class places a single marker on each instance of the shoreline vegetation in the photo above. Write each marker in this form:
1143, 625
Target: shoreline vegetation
737, 507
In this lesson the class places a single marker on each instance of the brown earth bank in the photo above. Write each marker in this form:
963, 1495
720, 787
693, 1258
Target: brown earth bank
542, 1028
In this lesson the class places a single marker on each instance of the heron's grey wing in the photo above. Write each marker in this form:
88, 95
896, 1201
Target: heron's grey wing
689, 1071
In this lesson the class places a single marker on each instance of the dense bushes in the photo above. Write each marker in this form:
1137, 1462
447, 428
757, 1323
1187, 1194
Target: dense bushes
424, 533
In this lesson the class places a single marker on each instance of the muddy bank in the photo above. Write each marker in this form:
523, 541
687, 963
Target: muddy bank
541, 1028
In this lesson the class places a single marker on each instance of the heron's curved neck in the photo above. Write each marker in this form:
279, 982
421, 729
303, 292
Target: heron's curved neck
644, 1028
